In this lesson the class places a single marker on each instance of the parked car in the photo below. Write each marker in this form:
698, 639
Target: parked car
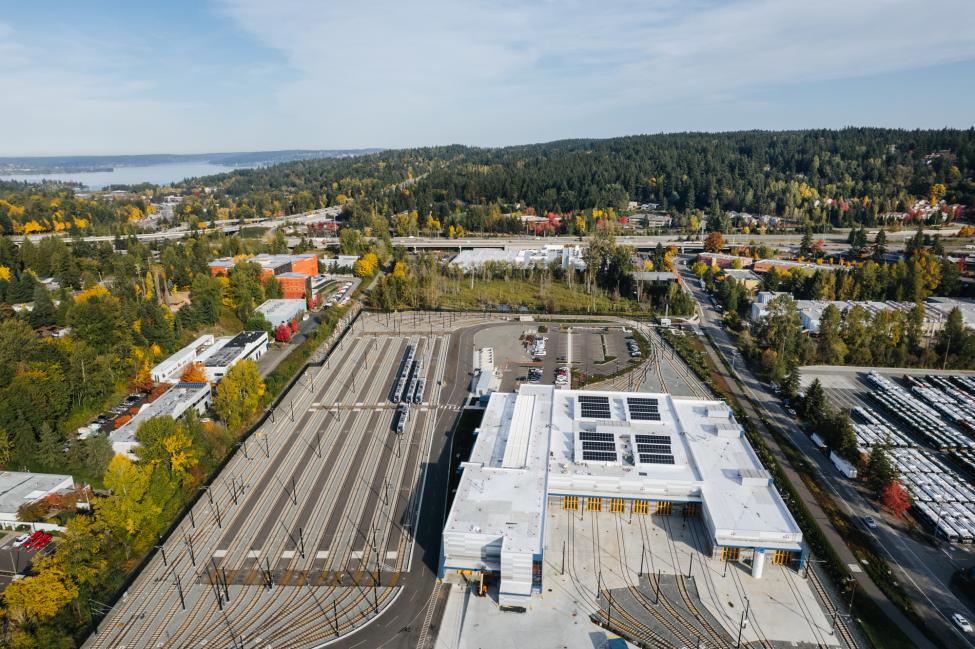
961, 622
41, 542
870, 522
20, 540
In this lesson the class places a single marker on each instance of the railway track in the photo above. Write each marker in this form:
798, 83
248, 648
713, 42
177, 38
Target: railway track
665, 621
831, 610
192, 622
716, 637
299, 612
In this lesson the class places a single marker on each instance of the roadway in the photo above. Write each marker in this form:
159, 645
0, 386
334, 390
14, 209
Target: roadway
324, 527
909, 559
835, 241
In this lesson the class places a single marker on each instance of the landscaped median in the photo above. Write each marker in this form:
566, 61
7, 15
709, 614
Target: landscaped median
878, 627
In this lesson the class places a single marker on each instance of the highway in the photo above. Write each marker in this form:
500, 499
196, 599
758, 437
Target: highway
326, 523
912, 561
834, 242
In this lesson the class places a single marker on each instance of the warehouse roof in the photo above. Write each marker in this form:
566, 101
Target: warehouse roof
541, 441
18, 488
174, 402
281, 309
233, 348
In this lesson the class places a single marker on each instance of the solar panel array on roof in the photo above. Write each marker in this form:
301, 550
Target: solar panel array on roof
599, 446
594, 407
598, 456
654, 458
653, 439
654, 449
587, 436
643, 409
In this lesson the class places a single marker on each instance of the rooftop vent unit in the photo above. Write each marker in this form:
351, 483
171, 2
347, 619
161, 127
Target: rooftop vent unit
754, 477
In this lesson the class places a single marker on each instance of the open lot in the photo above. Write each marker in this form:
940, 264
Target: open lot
313, 530
590, 349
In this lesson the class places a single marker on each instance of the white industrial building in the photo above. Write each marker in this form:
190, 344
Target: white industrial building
282, 311
333, 264
21, 488
944, 305
171, 369
217, 361
936, 310
175, 402
567, 257
617, 452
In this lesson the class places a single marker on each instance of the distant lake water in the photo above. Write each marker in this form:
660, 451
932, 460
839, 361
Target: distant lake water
161, 174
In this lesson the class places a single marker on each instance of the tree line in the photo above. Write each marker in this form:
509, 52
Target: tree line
819, 177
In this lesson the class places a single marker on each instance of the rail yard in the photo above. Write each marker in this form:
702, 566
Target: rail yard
313, 529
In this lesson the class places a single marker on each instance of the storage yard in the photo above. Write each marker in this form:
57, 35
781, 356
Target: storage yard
926, 420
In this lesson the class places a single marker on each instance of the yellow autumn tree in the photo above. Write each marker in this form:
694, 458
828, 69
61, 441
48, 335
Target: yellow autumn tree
182, 455
93, 291
5, 273
367, 265
194, 373
33, 226
40, 596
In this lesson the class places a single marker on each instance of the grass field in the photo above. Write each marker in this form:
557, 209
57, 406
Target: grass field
554, 298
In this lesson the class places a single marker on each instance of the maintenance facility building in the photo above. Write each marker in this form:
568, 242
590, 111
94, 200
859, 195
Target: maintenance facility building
616, 452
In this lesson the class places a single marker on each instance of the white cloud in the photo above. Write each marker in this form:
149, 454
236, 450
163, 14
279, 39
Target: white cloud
394, 73
495, 71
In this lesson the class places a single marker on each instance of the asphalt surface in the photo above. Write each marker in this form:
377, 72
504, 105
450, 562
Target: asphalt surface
757, 395
314, 525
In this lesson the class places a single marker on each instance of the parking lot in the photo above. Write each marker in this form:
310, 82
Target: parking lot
589, 349
923, 563
16, 558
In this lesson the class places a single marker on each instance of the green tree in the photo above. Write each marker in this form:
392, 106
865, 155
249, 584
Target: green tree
830, 347
272, 289
880, 470
814, 406
98, 322
42, 315
806, 244
246, 288
50, 448
239, 394
880, 245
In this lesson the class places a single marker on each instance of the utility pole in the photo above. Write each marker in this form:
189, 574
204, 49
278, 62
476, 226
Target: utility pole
179, 589
161, 549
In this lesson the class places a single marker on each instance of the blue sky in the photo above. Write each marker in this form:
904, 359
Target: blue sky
102, 77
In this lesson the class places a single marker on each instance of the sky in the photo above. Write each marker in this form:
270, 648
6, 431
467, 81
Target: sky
191, 76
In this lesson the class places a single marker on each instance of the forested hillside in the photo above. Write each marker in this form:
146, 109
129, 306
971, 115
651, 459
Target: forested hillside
819, 176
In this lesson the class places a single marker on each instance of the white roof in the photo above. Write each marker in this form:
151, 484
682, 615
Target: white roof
277, 310
18, 488
173, 402
503, 495
524, 257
